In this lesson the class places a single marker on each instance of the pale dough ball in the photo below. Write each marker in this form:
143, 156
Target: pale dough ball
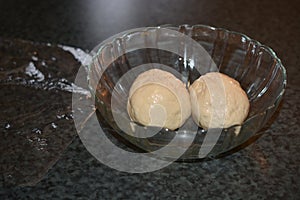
218, 101
158, 98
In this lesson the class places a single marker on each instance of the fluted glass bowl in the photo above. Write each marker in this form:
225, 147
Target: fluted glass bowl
254, 65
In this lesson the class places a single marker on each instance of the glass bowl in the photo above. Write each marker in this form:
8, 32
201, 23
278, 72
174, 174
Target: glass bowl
254, 65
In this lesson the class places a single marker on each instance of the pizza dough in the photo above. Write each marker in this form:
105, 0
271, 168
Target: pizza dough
218, 101
158, 98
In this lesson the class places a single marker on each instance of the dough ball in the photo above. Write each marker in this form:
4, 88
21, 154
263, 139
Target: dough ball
218, 101
158, 98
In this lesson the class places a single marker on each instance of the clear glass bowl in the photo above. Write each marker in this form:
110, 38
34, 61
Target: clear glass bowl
254, 65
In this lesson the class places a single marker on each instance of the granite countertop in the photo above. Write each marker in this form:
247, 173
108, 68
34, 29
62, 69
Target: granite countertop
267, 169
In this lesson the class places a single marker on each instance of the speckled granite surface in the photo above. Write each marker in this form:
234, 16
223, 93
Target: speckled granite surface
267, 169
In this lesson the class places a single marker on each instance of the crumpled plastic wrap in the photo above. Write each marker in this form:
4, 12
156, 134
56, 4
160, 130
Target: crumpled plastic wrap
36, 124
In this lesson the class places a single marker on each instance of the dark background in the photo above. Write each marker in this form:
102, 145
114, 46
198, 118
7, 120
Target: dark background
85, 23
259, 171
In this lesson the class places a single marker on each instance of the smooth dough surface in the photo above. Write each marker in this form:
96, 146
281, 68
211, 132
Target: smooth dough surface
218, 101
158, 98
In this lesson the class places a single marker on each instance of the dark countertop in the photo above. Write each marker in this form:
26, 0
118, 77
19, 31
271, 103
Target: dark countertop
267, 169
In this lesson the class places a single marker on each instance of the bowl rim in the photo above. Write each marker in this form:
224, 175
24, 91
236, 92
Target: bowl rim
109, 41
